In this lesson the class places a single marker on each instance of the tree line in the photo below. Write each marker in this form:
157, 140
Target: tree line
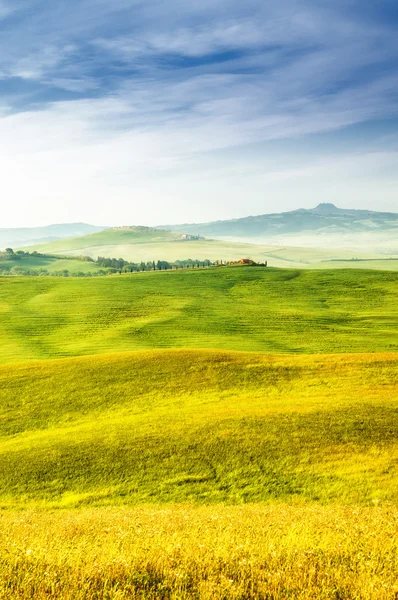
106, 265
124, 266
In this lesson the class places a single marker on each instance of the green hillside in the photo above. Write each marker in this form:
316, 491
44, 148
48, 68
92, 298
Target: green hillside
217, 433
256, 309
117, 236
138, 244
15, 264
146, 244
388, 264
199, 426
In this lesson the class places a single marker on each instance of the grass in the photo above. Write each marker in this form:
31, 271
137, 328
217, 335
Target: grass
52, 264
247, 448
387, 264
115, 237
145, 244
250, 309
199, 426
212, 553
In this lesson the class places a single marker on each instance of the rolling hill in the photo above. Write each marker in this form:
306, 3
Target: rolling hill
146, 244
216, 433
321, 226
199, 426
23, 236
251, 309
43, 264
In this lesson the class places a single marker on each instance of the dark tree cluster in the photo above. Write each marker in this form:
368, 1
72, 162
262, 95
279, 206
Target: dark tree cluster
119, 265
10, 265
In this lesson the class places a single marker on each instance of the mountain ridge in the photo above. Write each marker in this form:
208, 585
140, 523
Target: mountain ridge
320, 208
322, 219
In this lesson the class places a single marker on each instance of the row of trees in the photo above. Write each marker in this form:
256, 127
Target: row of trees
9, 265
123, 266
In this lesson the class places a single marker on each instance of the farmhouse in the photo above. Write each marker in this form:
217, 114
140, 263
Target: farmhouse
187, 236
247, 262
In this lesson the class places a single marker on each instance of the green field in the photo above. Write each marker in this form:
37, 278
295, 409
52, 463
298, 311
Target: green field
138, 244
200, 434
145, 244
199, 426
387, 264
51, 264
251, 309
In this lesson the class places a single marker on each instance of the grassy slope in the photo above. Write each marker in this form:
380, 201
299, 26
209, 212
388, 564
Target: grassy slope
314, 436
252, 309
199, 426
144, 244
377, 264
51, 264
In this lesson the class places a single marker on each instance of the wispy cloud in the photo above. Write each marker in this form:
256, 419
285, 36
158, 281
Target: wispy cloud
7, 7
109, 95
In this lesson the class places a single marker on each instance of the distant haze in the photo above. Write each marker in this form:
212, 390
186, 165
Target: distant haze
324, 226
24, 236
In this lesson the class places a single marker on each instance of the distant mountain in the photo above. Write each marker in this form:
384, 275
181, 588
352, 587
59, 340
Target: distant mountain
25, 236
323, 219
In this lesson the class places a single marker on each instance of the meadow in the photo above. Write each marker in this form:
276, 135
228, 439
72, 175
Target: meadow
51, 264
199, 426
210, 552
199, 474
249, 309
217, 433
388, 264
145, 244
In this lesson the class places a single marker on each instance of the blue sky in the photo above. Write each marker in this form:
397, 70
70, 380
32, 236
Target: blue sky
133, 112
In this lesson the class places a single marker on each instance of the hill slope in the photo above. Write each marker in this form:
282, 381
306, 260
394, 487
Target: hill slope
23, 236
324, 223
147, 244
254, 309
199, 426
304, 446
15, 264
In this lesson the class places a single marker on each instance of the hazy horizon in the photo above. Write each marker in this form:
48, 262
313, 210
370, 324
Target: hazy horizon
145, 113
106, 226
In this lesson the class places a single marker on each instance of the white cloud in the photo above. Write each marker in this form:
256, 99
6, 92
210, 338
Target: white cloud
122, 159
38, 64
160, 131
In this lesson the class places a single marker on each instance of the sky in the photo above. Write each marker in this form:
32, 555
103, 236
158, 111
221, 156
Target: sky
144, 112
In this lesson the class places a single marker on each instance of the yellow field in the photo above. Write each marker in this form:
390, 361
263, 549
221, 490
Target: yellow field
187, 473
186, 426
212, 553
